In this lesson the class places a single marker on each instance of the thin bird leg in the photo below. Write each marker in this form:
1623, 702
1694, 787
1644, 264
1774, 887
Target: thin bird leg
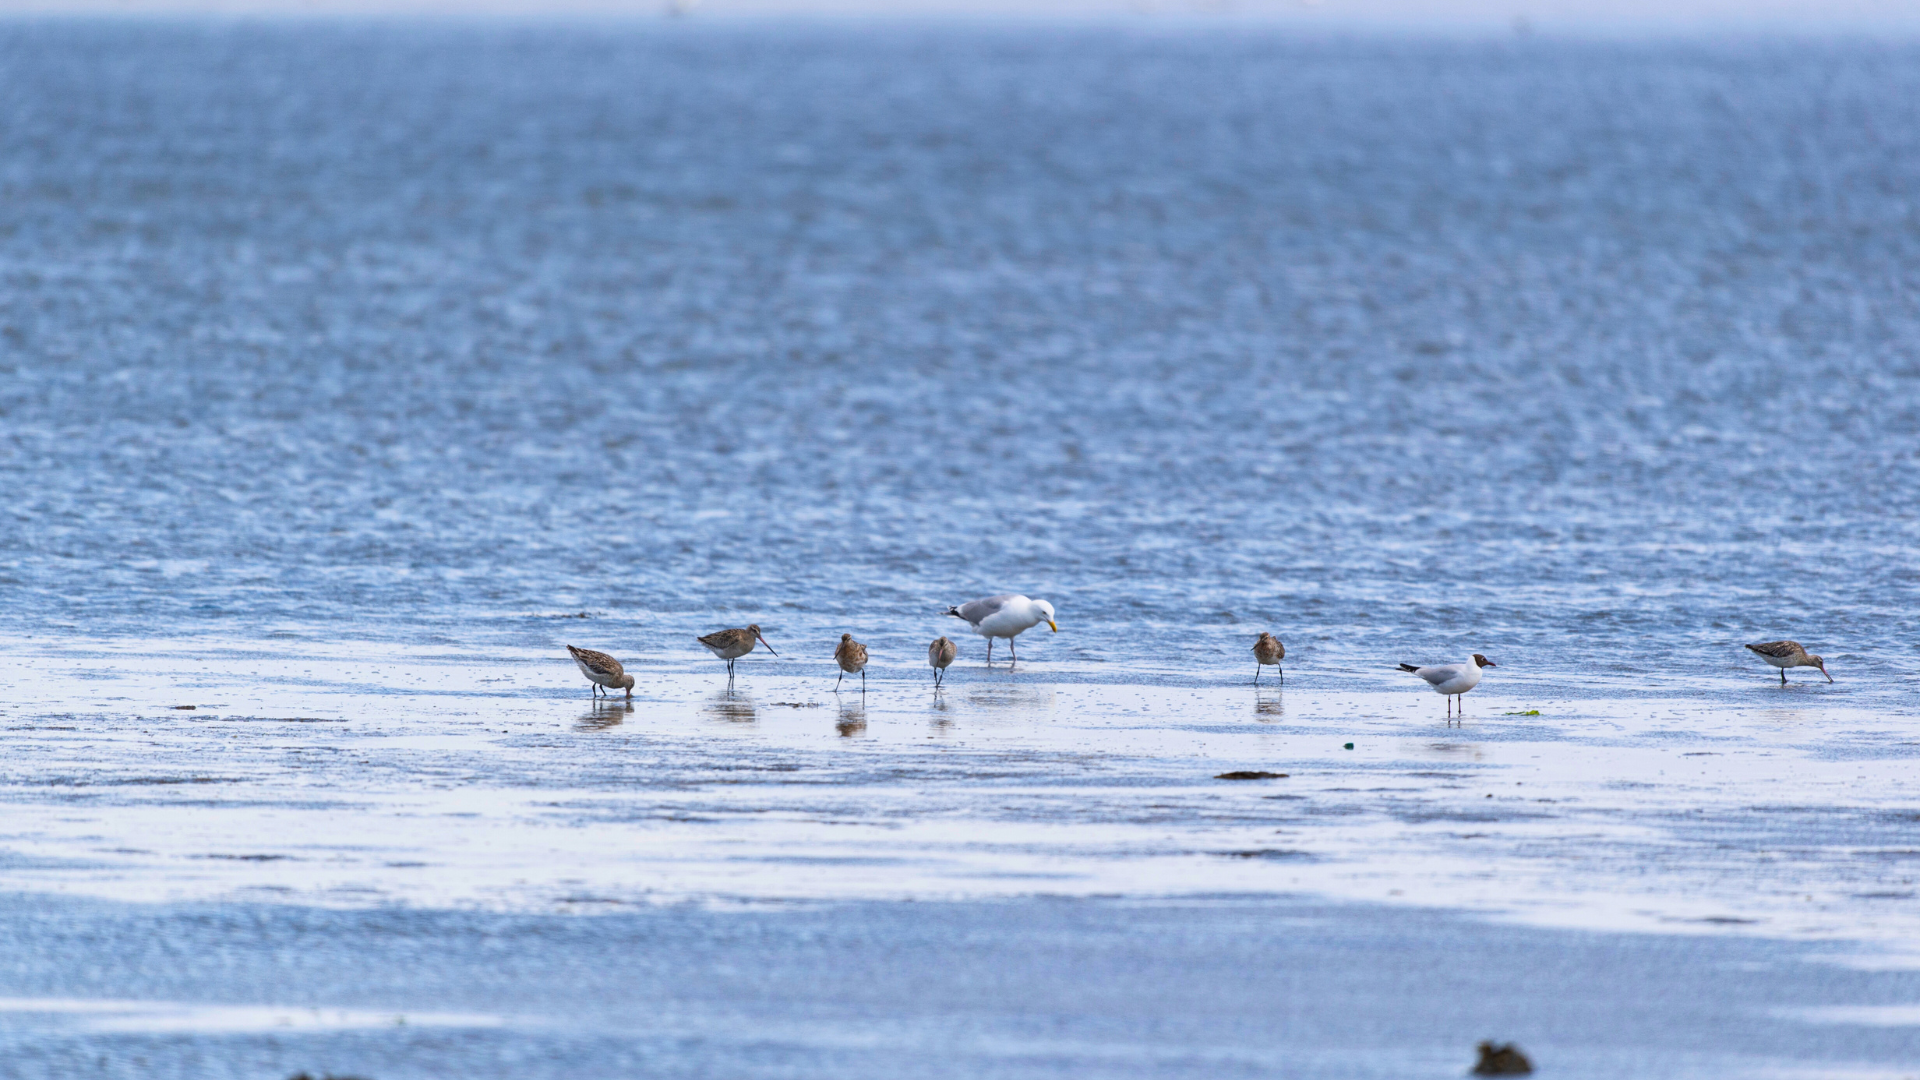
1783, 676
989, 652
1282, 671
1013, 652
863, 680
836, 682
1256, 673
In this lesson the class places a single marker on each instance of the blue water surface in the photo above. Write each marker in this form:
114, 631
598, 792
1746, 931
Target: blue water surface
1594, 357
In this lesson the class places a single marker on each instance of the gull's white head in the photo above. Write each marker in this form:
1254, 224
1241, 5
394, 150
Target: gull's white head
1046, 612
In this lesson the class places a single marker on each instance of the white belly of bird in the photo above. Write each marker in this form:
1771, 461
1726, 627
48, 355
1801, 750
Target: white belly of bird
1006, 624
1461, 680
595, 676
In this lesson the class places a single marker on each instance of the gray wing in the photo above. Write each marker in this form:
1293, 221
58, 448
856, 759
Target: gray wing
1439, 673
975, 610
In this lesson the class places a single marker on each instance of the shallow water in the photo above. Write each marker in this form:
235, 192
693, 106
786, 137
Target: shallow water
348, 370
1548, 350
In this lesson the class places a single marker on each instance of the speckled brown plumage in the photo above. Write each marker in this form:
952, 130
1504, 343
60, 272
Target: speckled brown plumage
852, 657
1268, 650
1786, 654
939, 655
601, 670
731, 645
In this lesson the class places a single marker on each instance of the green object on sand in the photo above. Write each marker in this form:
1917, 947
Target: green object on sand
1349, 746
1529, 712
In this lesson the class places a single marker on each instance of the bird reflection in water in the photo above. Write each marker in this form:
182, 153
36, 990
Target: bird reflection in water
942, 712
606, 714
853, 720
730, 706
1269, 703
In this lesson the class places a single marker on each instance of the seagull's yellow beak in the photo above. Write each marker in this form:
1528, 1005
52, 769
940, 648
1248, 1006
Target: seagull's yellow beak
1051, 626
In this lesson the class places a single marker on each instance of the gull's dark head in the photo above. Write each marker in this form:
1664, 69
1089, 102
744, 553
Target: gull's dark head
1483, 661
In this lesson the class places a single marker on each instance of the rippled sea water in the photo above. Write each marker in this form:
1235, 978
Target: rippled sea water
348, 369
1586, 356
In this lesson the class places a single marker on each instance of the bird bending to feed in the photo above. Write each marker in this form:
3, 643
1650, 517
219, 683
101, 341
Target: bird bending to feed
1268, 650
1786, 654
939, 655
731, 645
852, 657
602, 671
1004, 617
1453, 679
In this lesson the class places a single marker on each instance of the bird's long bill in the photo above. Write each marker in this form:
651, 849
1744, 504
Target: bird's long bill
767, 643
1051, 626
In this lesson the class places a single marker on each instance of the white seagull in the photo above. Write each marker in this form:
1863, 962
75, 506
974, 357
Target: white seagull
1452, 679
1004, 617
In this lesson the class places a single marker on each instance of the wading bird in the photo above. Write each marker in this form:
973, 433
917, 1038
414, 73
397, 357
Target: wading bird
852, 657
731, 645
1453, 680
603, 671
1004, 617
1268, 650
939, 655
1786, 654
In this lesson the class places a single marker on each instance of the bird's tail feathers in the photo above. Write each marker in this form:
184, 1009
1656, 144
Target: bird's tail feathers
1408, 667
955, 612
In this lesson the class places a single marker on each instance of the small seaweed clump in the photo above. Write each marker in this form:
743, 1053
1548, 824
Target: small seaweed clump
1497, 1060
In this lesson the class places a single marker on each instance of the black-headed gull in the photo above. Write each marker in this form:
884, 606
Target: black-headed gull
1004, 617
1452, 679
1786, 654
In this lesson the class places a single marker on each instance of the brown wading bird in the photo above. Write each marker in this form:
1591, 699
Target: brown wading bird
602, 671
731, 645
939, 655
1268, 650
1786, 654
852, 657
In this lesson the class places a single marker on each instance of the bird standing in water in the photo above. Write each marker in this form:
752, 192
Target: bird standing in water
1453, 680
939, 655
731, 645
1004, 616
603, 671
1786, 654
852, 657
1268, 650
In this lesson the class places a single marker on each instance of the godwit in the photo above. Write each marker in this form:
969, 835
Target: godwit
939, 655
1004, 617
731, 645
1268, 650
1786, 654
852, 657
602, 671
1453, 680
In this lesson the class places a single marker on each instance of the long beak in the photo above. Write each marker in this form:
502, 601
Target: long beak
768, 644
1051, 626
1823, 671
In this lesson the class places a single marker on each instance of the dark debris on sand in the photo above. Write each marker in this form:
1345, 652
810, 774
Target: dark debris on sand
1502, 1060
